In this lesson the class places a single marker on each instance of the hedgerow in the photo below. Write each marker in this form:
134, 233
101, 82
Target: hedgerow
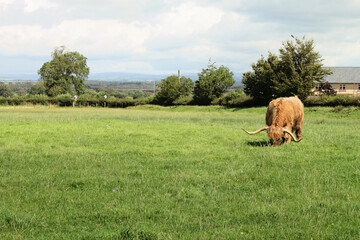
227, 100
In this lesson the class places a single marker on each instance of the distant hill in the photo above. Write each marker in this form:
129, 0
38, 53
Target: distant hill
22, 77
120, 76
110, 76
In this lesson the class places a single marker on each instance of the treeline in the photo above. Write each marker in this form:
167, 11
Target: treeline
65, 100
235, 99
295, 71
146, 86
15, 88
31, 88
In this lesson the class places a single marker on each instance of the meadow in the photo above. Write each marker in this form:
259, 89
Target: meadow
151, 172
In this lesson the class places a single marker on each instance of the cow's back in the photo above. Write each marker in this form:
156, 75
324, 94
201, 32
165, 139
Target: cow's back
284, 111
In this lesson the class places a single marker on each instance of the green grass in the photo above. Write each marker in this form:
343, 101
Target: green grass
151, 172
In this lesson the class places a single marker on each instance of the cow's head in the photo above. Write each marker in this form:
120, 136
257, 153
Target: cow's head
275, 134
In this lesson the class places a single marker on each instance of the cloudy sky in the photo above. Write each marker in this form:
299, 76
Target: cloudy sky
162, 36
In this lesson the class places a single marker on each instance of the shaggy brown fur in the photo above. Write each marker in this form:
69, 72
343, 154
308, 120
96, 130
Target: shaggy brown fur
285, 113
283, 116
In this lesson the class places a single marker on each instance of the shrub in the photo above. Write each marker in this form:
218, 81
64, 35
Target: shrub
228, 98
332, 101
183, 100
243, 102
86, 100
142, 101
338, 109
172, 88
120, 102
38, 99
83, 100
64, 100
212, 83
150, 99
325, 88
3, 101
16, 101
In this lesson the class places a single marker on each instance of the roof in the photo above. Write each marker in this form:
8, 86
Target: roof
343, 75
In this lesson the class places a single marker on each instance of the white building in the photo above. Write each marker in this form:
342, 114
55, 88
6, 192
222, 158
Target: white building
345, 80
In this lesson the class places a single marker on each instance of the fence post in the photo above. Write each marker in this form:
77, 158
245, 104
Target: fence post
75, 98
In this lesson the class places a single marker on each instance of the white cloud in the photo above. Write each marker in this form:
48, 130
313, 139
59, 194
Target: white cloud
183, 25
4, 4
88, 36
153, 35
34, 5
188, 19
20, 39
119, 66
340, 53
111, 36
102, 37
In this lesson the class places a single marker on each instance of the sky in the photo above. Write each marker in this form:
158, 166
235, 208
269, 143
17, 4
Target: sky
162, 36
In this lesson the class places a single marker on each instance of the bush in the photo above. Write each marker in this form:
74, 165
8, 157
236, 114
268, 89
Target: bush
172, 88
143, 101
243, 102
64, 100
120, 102
82, 100
228, 98
212, 83
325, 88
15, 101
332, 101
151, 99
3, 101
338, 109
38, 99
87, 100
183, 100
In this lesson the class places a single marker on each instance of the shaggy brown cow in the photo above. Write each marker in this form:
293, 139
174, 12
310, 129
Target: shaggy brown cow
283, 116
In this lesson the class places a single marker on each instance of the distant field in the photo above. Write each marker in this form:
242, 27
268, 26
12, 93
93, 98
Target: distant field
176, 173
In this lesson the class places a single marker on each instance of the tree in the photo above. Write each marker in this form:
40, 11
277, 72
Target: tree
258, 83
172, 88
5, 90
19, 88
66, 69
296, 71
212, 83
38, 88
325, 88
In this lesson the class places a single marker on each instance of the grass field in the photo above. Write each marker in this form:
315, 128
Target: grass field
176, 173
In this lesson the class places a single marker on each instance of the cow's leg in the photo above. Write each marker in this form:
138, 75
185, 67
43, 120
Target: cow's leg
299, 131
287, 137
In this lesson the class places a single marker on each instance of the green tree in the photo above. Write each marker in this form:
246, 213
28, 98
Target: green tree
172, 88
212, 83
19, 88
5, 90
296, 71
66, 69
38, 88
259, 82
138, 94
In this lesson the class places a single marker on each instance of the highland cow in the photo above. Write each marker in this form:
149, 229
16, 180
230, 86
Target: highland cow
283, 116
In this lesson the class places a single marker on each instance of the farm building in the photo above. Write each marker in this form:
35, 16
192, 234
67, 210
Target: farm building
345, 80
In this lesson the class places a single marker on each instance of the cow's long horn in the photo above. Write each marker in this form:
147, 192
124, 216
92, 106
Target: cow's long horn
257, 131
292, 135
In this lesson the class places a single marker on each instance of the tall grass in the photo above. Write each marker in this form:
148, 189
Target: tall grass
152, 172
